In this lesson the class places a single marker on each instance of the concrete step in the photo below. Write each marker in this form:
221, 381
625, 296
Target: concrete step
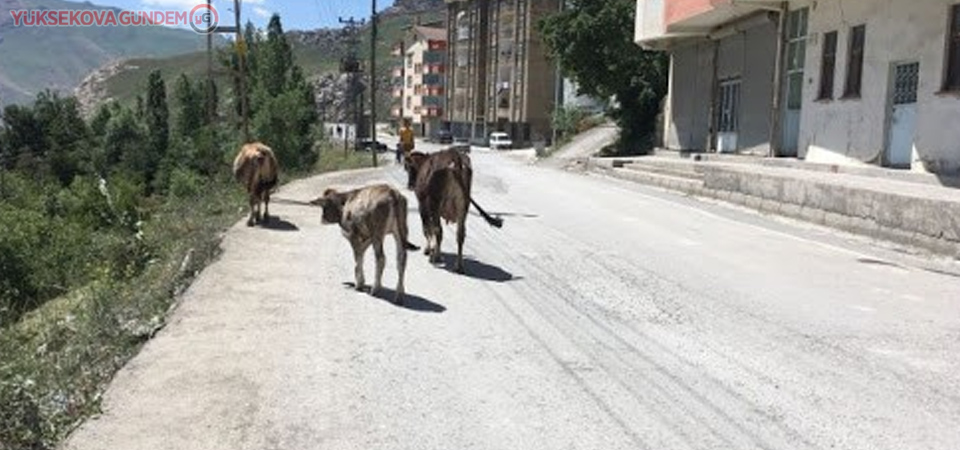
683, 184
669, 168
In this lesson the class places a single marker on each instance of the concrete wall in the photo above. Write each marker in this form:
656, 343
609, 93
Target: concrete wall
749, 55
854, 131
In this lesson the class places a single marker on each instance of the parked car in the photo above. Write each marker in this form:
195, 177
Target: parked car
366, 144
461, 144
443, 137
500, 140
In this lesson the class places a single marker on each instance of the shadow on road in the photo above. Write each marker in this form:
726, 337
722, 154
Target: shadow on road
277, 224
476, 269
508, 214
410, 301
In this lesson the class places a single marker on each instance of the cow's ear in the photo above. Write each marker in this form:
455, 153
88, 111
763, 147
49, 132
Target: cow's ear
320, 201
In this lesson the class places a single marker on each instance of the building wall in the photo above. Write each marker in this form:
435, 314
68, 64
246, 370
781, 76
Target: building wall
855, 131
749, 55
540, 75
687, 113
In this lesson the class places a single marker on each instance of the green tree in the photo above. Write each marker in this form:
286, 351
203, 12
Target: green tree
65, 135
189, 117
593, 41
123, 144
157, 119
274, 60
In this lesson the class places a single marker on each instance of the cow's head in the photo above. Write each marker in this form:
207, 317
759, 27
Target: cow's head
332, 203
412, 164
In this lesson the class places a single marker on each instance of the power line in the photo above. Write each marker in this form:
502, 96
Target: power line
350, 65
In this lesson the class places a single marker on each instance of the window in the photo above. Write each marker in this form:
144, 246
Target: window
796, 56
828, 65
855, 62
409, 81
728, 115
952, 79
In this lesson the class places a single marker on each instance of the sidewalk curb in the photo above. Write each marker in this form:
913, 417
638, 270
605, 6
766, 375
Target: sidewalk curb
932, 225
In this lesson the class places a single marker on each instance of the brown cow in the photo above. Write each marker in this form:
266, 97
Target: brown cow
256, 168
366, 216
442, 182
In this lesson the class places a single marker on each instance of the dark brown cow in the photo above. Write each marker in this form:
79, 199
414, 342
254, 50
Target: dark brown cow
442, 182
366, 216
256, 168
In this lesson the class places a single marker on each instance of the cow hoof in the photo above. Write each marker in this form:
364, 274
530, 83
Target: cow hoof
398, 300
251, 223
461, 271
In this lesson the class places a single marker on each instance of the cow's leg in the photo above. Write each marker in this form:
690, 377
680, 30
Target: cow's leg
381, 264
438, 240
461, 236
401, 239
253, 211
427, 230
266, 206
358, 251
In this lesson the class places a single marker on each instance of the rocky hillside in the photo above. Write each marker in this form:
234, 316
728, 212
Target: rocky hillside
415, 6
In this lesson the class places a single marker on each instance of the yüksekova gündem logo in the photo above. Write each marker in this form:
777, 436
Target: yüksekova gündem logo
202, 18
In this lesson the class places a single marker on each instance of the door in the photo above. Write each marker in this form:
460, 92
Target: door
728, 116
793, 83
903, 115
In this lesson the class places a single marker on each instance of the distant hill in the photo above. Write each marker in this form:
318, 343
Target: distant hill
317, 51
33, 59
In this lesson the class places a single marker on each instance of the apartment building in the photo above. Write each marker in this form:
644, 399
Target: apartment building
500, 78
845, 81
419, 90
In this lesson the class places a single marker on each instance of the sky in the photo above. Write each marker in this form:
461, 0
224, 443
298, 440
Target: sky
295, 14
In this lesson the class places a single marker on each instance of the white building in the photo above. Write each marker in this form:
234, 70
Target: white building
836, 81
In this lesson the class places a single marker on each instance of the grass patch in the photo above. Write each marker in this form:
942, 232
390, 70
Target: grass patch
56, 360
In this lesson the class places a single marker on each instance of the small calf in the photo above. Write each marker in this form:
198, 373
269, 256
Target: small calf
366, 216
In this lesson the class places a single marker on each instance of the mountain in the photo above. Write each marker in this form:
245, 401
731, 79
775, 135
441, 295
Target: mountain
317, 51
36, 58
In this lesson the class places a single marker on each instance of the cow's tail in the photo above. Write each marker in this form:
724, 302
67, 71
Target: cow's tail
496, 222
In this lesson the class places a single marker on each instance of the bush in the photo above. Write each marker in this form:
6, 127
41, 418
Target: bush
185, 184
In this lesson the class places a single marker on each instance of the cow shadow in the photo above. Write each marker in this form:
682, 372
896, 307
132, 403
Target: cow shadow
275, 223
478, 270
410, 301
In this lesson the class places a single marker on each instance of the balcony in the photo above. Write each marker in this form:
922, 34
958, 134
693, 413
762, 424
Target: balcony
661, 22
432, 101
435, 69
433, 79
433, 57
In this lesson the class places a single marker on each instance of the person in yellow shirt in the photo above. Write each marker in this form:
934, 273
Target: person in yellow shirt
406, 138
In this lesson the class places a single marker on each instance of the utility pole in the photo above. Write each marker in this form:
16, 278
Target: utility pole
373, 80
241, 49
351, 66
211, 111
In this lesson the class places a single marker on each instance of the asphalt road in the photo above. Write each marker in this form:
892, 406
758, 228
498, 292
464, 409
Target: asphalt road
602, 316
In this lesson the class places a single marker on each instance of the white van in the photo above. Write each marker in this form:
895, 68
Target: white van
500, 140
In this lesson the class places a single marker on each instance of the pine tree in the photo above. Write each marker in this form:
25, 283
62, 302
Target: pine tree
157, 119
